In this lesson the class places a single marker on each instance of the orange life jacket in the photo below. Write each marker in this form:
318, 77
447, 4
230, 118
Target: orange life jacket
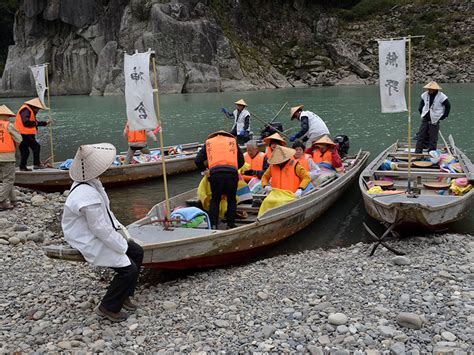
136, 136
221, 150
256, 163
268, 152
326, 157
19, 123
285, 178
7, 145
304, 161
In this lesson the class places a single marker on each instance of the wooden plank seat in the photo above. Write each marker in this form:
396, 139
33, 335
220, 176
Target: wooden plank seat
423, 173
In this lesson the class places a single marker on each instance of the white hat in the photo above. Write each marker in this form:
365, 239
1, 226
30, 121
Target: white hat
91, 160
35, 103
293, 110
241, 102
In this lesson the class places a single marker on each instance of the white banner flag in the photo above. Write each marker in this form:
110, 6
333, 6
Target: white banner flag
139, 92
392, 68
39, 74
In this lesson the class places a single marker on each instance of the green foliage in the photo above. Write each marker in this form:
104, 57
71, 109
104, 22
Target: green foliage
366, 8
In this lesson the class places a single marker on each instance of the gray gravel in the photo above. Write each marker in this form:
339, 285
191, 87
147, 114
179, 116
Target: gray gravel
319, 302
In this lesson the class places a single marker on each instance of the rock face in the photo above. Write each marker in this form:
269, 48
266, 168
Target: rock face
204, 45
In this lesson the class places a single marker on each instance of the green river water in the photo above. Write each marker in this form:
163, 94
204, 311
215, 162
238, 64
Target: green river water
354, 111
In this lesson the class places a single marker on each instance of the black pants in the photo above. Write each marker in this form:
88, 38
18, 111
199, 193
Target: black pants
29, 142
427, 136
125, 280
223, 183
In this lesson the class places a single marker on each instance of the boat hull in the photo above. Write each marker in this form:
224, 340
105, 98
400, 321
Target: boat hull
238, 244
423, 211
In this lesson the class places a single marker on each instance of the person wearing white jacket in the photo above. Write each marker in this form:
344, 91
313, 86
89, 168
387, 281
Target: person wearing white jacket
434, 107
90, 227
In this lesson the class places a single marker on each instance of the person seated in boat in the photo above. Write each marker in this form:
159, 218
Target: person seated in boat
285, 172
312, 126
272, 141
306, 160
137, 140
224, 158
325, 154
11, 138
257, 161
241, 117
90, 227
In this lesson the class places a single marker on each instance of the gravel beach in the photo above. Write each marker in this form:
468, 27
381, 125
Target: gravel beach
337, 301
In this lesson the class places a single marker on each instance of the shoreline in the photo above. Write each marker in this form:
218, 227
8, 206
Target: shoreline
14, 95
287, 303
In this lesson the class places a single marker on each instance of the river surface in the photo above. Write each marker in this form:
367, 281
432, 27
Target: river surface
354, 111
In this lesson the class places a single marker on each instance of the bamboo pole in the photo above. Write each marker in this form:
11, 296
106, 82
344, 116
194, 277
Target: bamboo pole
49, 116
278, 113
409, 113
158, 116
268, 125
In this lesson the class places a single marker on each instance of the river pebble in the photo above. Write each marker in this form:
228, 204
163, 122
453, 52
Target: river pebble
337, 301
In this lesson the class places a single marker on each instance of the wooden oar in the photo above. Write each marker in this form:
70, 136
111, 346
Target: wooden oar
268, 125
278, 113
446, 144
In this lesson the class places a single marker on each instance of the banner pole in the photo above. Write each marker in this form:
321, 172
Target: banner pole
409, 113
158, 116
49, 116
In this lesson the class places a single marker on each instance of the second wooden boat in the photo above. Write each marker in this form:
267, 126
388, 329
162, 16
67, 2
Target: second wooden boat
430, 204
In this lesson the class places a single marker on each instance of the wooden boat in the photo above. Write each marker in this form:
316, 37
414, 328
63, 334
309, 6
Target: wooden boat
184, 248
55, 179
425, 207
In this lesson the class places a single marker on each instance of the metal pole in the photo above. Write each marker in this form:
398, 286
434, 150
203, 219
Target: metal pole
157, 108
49, 115
409, 113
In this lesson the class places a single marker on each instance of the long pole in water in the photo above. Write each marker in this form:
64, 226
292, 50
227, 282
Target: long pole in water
158, 116
409, 114
49, 115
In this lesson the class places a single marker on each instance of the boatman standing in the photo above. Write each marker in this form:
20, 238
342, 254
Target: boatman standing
137, 140
241, 117
9, 140
27, 124
90, 227
224, 158
434, 107
312, 126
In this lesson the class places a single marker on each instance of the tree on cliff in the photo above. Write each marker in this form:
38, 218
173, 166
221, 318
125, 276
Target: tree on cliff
7, 18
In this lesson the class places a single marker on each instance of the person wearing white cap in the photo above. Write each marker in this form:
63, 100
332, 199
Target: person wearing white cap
312, 126
241, 117
26, 123
10, 138
434, 107
90, 227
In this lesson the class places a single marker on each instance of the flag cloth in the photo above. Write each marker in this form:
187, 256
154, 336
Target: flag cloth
139, 92
392, 69
39, 74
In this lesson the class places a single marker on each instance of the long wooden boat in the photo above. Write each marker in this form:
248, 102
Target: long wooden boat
426, 207
184, 248
55, 179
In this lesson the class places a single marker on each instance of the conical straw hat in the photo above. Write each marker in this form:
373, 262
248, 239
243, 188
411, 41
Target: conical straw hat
5, 111
220, 133
91, 160
324, 140
433, 85
274, 137
293, 111
36, 103
281, 154
241, 102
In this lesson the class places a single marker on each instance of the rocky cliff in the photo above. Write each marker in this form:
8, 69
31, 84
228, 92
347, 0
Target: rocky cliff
212, 45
